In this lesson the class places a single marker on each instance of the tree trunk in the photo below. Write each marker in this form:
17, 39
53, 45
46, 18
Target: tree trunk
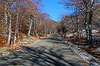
73, 27
86, 26
30, 27
45, 30
6, 17
90, 26
16, 30
9, 30
78, 34
34, 27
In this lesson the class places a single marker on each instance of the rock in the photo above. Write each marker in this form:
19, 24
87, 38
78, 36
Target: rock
98, 49
4, 53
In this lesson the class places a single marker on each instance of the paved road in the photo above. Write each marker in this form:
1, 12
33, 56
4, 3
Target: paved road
50, 51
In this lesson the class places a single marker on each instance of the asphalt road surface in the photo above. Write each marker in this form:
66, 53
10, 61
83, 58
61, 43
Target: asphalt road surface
50, 51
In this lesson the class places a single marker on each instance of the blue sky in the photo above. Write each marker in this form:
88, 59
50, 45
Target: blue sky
54, 9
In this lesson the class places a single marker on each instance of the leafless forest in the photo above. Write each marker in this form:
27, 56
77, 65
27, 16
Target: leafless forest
23, 19
83, 26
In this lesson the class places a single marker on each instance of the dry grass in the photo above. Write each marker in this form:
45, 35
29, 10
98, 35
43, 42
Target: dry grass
90, 50
4, 48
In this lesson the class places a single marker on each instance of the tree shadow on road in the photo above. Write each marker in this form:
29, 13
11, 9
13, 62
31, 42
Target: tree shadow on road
29, 56
41, 56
